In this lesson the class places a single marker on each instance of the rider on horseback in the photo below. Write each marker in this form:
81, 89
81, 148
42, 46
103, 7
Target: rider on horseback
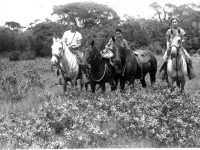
73, 39
171, 33
109, 46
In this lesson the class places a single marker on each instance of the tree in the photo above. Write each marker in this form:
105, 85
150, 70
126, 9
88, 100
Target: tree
13, 25
189, 20
7, 42
159, 11
134, 33
43, 33
97, 14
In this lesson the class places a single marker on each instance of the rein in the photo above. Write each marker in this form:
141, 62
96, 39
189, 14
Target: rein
93, 60
177, 57
94, 66
59, 58
101, 77
120, 55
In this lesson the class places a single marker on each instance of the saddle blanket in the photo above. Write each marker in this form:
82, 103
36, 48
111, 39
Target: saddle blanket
107, 54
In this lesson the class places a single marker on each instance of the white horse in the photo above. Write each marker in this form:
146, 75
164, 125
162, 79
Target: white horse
176, 66
66, 62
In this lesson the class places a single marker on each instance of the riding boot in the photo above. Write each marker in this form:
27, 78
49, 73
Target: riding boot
111, 62
162, 71
191, 73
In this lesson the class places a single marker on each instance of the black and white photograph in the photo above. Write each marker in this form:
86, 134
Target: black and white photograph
99, 74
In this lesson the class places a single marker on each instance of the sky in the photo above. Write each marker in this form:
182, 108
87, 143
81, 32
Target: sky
26, 11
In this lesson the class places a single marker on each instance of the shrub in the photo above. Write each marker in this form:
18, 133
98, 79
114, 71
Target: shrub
16, 86
157, 48
11, 88
14, 56
192, 52
28, 55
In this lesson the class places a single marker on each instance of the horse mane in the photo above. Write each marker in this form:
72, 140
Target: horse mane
118, 42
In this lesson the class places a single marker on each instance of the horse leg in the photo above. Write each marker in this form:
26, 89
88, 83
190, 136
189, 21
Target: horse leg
103, 87
116, 83
81, 84
152, 78
112, 83
122, 84
178, 83
170, 83
74, 83
86, 86
132, 82
143, 82
182, 86
64, 84
92, 86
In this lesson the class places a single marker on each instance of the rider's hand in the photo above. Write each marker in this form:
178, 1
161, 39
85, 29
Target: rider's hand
73, 46
70, 47
104, 50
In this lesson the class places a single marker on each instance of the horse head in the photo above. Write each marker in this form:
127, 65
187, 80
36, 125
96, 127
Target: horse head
119, 51
57, 51
175, 47
89, 52
177, 67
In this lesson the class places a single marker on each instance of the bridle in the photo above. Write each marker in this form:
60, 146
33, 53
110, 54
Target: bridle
177, 56
117, 53
60, 55
91, 60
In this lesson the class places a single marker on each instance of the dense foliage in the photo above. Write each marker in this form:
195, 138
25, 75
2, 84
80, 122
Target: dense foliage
46, 119
99, 22
81, 120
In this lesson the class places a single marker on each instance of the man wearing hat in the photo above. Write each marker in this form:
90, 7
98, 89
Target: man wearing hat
173, 31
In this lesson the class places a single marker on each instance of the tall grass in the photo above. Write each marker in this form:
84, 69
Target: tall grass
33, 113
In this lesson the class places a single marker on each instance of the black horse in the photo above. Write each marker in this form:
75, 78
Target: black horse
100, 70
131, 65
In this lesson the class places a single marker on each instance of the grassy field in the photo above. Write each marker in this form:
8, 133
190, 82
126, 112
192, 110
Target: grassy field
35, 114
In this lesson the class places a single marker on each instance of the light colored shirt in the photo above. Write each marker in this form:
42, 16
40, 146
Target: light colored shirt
110, 44
72, 38
175, 32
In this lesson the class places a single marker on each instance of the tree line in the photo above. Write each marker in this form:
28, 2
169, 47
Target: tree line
98, 22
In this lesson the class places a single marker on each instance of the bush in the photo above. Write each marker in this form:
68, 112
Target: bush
15, 86
14, 56
88, 121
28, 55
157, 48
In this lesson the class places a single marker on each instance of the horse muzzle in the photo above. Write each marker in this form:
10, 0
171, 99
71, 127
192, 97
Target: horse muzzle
54, 61
173, 55
117, 68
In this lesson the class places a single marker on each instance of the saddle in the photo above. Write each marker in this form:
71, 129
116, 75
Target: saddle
142, 58
79, 56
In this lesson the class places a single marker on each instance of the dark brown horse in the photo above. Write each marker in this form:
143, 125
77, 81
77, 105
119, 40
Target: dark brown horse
100, 70
133, 65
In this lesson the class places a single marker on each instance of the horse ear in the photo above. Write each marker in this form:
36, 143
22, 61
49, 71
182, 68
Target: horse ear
54, 39
113, 38
92, 43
